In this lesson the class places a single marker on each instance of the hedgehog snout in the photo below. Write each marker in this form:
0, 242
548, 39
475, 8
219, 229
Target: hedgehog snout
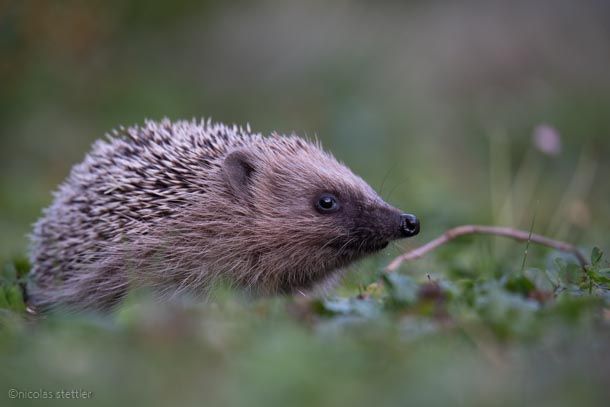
388, 223
409, 225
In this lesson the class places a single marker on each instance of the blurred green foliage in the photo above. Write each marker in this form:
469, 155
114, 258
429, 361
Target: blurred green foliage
539, 337
438, 105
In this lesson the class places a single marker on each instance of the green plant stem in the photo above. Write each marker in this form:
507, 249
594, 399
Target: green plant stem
529, 239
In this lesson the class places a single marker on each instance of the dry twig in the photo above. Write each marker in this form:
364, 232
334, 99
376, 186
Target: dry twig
516, 234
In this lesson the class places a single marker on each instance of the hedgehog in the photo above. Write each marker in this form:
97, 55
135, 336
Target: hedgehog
180, 207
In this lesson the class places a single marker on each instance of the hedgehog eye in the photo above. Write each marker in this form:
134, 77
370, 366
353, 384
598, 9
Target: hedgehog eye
327, 203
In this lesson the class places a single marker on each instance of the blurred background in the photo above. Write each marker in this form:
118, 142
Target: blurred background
492, 112
438, 105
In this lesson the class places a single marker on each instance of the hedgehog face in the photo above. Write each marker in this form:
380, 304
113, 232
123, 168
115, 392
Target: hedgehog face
361, 221
368, 226
311, 208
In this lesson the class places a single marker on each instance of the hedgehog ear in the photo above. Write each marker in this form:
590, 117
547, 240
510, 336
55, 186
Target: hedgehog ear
238, 167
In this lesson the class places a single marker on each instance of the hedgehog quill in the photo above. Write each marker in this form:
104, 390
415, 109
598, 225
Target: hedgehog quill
179, 206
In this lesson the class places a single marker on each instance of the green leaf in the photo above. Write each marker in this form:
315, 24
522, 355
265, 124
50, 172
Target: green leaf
520, 284
596, 255
349, 306
402, 289
22, 266
598, 277
560, 264
570, 274
9, 273
14, 297
3, 301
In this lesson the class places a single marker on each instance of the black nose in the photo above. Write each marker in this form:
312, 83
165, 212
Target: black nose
409, 225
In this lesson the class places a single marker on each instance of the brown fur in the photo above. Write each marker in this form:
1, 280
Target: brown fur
181, 206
